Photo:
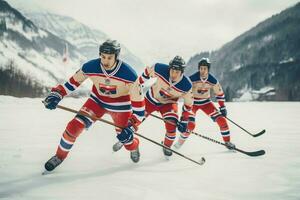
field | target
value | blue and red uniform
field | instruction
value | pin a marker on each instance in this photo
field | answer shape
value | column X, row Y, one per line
column 202, row 101
column 116, row 92
column 163, row 97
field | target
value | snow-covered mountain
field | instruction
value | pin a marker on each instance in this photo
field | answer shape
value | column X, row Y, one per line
column 87, row 40
column 34, row 54
column 35, row 51
column 67, row 28
column 262, row 63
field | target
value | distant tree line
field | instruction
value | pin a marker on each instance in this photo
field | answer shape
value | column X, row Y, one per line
column 284, row 78
column 14, row 82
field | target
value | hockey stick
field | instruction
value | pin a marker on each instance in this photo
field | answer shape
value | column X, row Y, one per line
column 249, row 153
column 253, row 135
column 146, row 138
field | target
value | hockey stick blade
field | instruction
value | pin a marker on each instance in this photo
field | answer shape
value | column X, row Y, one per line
column 252, row 153
column 260, row 133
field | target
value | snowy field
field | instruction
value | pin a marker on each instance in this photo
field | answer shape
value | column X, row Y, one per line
column 29, row 135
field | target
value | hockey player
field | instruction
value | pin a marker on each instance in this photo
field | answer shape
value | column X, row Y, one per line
column 171, row 84
column 116, row 91
column 163, row 96
column 203, row 82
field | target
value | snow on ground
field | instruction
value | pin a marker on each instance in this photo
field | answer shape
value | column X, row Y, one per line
column 29, row 135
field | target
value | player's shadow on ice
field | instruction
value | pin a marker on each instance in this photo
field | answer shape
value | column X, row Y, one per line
column 19, row 186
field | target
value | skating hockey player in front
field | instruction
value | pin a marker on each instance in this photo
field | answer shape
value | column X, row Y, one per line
column 203, row 82
column 116, row 91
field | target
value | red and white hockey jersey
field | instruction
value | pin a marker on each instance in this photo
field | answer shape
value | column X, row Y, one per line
column 117, row 90
column 165, row 91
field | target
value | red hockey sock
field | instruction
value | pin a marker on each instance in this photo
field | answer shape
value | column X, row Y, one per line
column 73, row 130
column 169, row 139
column 133, row 145
column 221, row 121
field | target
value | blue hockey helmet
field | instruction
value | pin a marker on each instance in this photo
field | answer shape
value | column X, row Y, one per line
column 204, row 62
column 177, row 63
column 110, row 47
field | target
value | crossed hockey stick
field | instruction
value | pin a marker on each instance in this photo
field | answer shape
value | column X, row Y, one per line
column 248, row 153
column 202, row 161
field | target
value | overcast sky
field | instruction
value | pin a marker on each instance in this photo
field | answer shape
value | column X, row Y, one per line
column 157, row 30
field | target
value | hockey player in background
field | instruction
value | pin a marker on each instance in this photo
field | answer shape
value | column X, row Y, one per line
column 116, row 91
column 203, row 83
column 171, row 84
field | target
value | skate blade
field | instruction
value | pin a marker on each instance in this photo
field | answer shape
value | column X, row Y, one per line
column 232, row 151
column 46, row 172
column 167, row 158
